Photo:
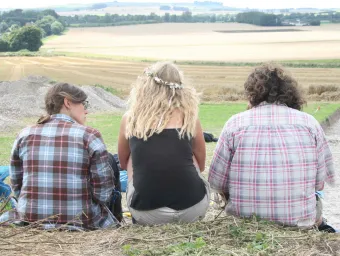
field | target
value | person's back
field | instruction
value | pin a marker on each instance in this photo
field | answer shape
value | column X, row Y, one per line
column 164, row 163
column 271, row 159
column 162, row 147
column 274, row 169
column 60, row 171
column 56, row 178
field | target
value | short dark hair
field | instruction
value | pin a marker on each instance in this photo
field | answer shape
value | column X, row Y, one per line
column 270, row 82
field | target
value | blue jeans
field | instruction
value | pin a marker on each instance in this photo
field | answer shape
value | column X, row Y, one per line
column 4, row 172
column 5, row 190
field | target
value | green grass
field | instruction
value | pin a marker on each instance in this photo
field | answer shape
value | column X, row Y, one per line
column 7, row 207
column 212, row 116
column 102, row 56
column 44, row 52
column 330, row 63
column 26, row 53
column 108, row 125
column 49, row 38
column 109, row 89
column 326, row 109
column 6, row 142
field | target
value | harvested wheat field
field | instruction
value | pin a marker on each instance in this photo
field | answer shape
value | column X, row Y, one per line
column 217, row 83
column 202, row 41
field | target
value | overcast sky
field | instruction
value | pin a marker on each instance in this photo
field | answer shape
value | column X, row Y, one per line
column 262, row 4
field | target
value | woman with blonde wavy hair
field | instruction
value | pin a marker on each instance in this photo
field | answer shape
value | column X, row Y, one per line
column 162, row 147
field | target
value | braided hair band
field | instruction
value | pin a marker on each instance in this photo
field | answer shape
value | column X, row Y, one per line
column 171, row 85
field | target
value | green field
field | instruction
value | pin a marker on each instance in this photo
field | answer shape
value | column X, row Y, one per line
column 212, row 116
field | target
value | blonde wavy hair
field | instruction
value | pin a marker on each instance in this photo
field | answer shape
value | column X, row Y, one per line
column 155, row 96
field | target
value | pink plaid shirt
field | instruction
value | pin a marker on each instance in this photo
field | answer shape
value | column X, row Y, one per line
column 270, row 160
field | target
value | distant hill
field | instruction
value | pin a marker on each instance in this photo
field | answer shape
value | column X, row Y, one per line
column 208, row 6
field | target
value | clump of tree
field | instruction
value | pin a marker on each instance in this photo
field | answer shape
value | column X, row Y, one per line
column 311, row 19
column 21, row 29
column 4, row 45
column 27, row 37
column 3, row 27
column 50, row 25
column 291, row 19
column 315, row 23
column 258, row 18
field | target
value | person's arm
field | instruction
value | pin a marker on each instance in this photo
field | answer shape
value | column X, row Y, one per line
column 123, row 145
column 15, row 169
column 101, row 173
column 220, row 164
column 198, row 147
column 325, row 166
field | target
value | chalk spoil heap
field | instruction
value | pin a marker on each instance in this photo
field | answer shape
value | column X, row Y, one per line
column 25, row 99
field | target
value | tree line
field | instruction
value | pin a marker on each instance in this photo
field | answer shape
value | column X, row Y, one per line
column 117, row 20
column 21, row 29
column 308, row 19
column 253, row 17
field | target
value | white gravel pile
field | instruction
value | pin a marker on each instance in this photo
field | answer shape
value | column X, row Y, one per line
column 331, row 204
column 25, row 99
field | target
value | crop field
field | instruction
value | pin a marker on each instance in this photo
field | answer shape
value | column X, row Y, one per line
column 202, row 41
column 217, row 83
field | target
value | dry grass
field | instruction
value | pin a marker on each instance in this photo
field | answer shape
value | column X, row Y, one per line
column 219, row 235
column 217, row 83
column 200, row 42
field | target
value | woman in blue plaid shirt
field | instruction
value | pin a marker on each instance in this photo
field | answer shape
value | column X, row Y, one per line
column 59, row 168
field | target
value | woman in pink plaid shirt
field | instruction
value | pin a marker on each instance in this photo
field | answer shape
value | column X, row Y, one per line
column 271, row 159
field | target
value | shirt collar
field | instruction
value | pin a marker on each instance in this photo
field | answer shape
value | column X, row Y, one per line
column 63, row 117
column 264, row 103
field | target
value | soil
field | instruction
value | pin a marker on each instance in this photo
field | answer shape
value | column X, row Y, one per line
column 331, row 206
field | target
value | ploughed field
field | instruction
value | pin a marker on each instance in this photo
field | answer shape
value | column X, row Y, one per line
column 204, row 42
column 217, row 83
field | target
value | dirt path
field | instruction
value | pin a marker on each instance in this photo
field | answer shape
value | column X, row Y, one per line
column 17, row 69
column 17, row 72
column 332, row 194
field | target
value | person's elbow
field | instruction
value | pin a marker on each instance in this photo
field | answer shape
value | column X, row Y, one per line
column 103, row 195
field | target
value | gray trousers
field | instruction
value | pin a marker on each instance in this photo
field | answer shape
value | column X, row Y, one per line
column 165, row 215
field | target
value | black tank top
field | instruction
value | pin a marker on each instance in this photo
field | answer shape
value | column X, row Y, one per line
column 164, row 174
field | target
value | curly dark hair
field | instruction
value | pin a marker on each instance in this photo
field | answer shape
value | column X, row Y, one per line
column 271, row 83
